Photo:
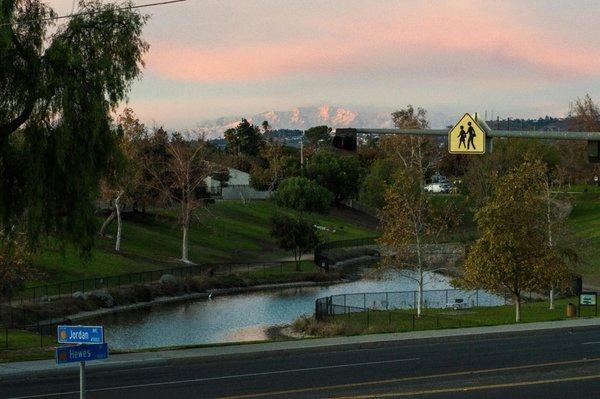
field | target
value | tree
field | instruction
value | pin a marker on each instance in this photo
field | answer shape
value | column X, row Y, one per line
column 375, row 184
column 408, row 151
column 245, row 138
column 484, row 170
column 294, row 234
column 574, row 167
column 126, row 177
column 303, row 195
column 14, row 259
column 318, row 135
column 513, row 252
column 187, row 168
column 340, row 174
column 58, row 87
column 409, row 222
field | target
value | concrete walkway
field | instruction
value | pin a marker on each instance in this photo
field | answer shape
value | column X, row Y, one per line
column 18, row 370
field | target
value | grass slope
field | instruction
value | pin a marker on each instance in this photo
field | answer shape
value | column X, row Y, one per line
column 227, row 231
column 584, row 221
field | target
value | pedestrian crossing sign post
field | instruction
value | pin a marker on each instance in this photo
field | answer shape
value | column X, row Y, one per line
column 466, row 137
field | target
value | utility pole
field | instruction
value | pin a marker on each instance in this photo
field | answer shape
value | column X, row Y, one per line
column 302, row 150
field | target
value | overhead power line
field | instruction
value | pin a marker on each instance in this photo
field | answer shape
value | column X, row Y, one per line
column 95, row 12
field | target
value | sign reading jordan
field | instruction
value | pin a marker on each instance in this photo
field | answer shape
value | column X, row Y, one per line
column 466, row 137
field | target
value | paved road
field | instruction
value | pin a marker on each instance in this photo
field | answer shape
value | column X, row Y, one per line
column 542, row 364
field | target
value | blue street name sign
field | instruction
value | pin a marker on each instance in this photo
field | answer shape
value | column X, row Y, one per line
column 80, row 334
column 81, row 353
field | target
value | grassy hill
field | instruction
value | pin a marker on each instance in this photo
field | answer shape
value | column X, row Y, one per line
column 226, row 231
column 585, row 223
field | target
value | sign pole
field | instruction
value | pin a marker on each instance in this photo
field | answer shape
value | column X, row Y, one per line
column 82, row 380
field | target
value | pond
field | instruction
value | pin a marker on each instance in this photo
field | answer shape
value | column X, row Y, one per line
column 240, row 317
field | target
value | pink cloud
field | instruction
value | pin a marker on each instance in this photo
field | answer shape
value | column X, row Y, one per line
column 397, row 38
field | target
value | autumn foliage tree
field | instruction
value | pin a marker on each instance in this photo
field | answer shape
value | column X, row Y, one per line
column 409, row 222
column 513, row 253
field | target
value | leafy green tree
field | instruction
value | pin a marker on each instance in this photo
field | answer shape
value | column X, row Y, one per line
column 303, row 195
column 295, row 235
column 58, row 87
column 376, row 182
column 14, row 262
column 245, row 138
column 318, row 135
column 340, row 174
column 513, row 252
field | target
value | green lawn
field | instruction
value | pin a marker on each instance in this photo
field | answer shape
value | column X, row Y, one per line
column 227, row 231
column 585, row 223
column 405, row 320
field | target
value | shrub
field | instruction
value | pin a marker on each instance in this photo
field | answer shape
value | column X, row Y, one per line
column 303, row 195
column 311, row 326
column 227, row 281
column 142, row 293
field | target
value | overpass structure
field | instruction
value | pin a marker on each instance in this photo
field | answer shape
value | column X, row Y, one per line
column 345, row 138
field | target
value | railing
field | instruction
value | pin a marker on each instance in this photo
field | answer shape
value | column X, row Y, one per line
column 42, row 292
column 19, row 323
column 322, row 260
column 335, row 305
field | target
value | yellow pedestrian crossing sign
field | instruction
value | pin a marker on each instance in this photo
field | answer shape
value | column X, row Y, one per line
column 466, row 137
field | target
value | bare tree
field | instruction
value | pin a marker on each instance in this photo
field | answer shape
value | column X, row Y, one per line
column 187, row 169
column 411, row 151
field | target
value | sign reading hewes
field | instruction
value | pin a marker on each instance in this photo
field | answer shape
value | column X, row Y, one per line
column 80, row 334
column 83, row 353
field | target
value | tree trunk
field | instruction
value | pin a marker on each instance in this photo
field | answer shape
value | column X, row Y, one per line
column 184, row 245
column 550, row 243
column 297, row 256
column 107, row 223
column 517, row 308
column 119, row 222
column 420, row 294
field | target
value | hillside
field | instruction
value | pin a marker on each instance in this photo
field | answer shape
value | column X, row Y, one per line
column 585, row 223
column 227, row 231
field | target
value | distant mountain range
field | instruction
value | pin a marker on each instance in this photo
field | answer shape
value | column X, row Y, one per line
column 302, row 118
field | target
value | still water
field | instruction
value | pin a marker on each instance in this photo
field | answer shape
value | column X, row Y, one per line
column 231, row 318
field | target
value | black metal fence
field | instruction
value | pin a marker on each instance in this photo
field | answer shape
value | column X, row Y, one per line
column 384, row 310
column 322, row 260
column 19, row 318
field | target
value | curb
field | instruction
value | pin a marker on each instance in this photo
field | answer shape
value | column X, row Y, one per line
column 42, row 369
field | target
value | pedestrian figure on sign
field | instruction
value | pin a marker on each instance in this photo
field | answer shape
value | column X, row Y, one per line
column 471, row 133
column 462, row 135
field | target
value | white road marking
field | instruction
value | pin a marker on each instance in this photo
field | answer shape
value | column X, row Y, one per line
column 224, row 377
column 591, row 343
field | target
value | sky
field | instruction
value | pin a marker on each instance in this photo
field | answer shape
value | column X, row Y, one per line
column 213, row 58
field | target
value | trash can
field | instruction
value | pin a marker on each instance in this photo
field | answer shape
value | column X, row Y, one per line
column 571, row 310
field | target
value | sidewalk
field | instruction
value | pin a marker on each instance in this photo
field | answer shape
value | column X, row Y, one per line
column 166, row 357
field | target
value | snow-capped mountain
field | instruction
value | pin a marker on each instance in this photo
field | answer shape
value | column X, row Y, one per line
column 302, row 118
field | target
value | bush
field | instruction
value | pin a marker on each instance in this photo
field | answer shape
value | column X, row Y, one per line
column 303, row 195
column 227, row 281
column 196, row 284
column 142, row 293
column 310, row 326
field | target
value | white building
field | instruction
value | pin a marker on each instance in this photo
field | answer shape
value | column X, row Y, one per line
column 237, row 188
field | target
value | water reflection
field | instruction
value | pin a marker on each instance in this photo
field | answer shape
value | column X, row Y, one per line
column 232, row 318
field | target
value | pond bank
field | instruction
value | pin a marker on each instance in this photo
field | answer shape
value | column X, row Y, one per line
column 185, row 298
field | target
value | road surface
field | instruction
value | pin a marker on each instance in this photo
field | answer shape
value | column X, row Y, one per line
column 542, row 364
